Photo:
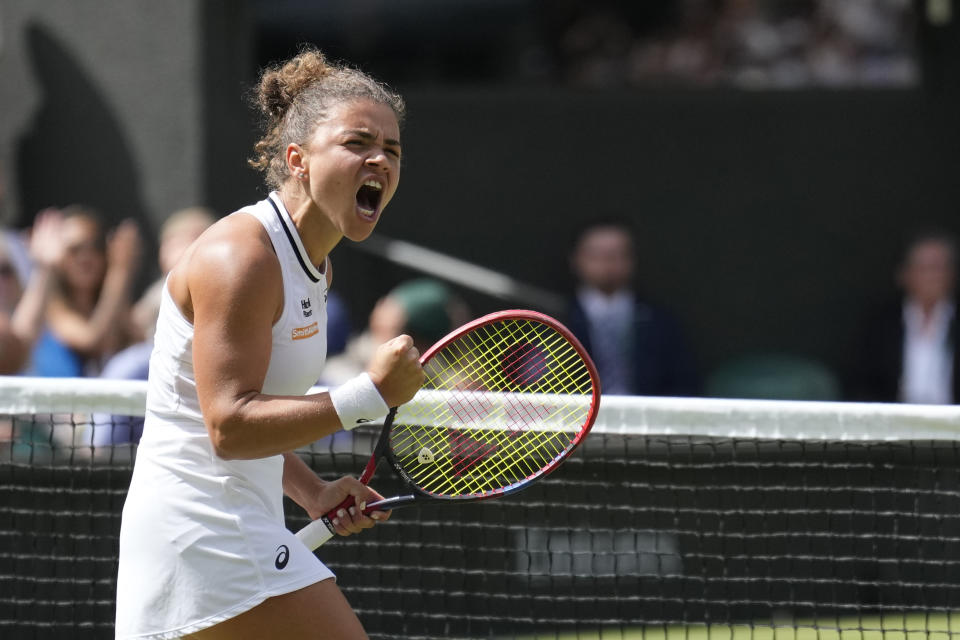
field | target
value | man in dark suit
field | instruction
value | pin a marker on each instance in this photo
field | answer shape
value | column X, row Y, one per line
column 638, row 347
column 908, row 352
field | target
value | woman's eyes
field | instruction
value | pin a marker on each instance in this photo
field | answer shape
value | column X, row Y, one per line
column 363, row 143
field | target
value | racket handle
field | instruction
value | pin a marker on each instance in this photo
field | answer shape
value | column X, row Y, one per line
column 315, row 534
column 320, row 530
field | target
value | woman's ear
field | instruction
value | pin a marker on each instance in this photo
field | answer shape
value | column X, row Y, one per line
column 296, row 161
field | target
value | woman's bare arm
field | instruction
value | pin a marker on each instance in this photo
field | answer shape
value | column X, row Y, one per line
column 230, row 285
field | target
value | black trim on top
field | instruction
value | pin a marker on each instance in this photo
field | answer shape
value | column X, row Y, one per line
column 293, row 243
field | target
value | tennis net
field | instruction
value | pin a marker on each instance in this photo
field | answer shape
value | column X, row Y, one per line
column 692, row 518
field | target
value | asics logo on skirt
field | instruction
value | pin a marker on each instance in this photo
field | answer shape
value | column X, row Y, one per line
column 283, row 555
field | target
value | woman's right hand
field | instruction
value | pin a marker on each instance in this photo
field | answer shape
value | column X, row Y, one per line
column 46, row 239
column 123, row 247
column 395, row 370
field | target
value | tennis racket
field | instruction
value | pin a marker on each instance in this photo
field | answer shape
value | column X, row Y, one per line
column 506, row 399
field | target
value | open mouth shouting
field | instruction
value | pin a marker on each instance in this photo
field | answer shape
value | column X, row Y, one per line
column 369, row 197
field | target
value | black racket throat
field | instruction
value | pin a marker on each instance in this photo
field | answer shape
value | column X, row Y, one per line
column 382, row 447
column 382, row 451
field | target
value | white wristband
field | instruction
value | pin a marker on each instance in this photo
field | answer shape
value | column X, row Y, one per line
column 357, row 401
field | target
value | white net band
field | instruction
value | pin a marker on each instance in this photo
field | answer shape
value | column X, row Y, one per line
column 624, row 415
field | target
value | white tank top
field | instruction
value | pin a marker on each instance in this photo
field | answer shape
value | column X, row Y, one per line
column 174, row 433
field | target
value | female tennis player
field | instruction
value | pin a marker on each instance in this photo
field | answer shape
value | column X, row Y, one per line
column 204, row 552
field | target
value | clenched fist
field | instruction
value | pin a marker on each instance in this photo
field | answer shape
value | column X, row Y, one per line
column 395, row 370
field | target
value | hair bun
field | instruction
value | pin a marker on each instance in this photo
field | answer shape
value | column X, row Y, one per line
column 281, row 85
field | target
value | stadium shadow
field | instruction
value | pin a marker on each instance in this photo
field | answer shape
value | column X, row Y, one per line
column 75, row 151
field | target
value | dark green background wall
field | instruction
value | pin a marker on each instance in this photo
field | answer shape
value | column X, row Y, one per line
column 768, row 220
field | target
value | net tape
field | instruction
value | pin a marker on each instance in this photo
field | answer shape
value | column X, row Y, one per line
column 628, row 415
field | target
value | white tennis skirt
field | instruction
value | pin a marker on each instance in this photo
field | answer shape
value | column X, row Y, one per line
column 203, row 540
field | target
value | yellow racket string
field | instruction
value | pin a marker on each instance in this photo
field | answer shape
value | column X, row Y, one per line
column 500, row 405
column 460, row 354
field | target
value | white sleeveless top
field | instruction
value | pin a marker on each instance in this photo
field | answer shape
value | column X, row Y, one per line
column 201, row 536
column 299, row 335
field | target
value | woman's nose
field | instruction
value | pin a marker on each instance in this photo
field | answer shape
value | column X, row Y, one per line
column 377, row 159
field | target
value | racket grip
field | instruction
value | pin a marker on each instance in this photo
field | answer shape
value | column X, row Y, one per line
column 315, row 534
column 320, row 530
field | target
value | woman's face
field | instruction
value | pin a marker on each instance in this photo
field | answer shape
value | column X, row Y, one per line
column 84, row 260
column 353, row 164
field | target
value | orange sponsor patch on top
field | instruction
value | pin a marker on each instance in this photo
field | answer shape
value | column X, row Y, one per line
column 301, row 333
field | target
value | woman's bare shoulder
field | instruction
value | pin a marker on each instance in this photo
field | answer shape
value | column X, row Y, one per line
column 233, row 256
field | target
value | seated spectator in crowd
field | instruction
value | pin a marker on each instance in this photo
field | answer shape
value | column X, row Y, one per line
column 25, row 288
column 638, row 347
column 908, row 349
column 423, row 308
column 88, row 315
column 177, row 233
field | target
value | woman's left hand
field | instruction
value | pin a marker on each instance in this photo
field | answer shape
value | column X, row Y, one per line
column 351, row 520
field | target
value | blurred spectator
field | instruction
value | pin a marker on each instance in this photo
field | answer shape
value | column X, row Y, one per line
column 25, row 288
column 746, row 43
column 756, row 44
column 88, row 315
column 908, row 352
column 423, row 308
column 637, row 347
column 595, row 47
column 177, row 233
